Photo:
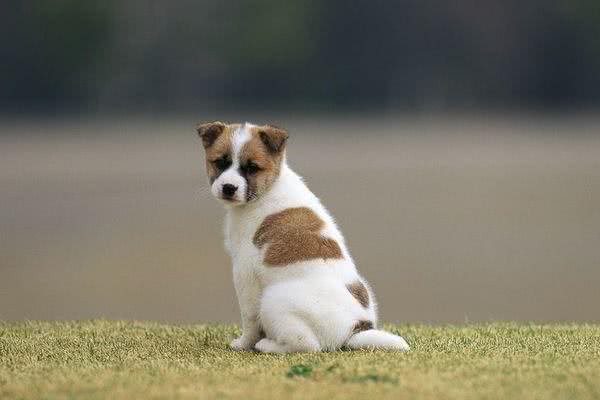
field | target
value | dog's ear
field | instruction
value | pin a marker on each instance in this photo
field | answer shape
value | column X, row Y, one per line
column 210, row 131
column 273, row 138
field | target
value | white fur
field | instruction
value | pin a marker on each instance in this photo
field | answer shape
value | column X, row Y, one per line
column 232, row 175
column 240, row 138
column 301, row 308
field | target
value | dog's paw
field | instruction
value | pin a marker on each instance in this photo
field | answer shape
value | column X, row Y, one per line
column 241, row 344
column 268, row 346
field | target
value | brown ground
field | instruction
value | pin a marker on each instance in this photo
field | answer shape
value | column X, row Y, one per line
column 451, row 220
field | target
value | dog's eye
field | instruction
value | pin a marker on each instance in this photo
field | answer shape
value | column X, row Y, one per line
column 250, row 168
column 222, row 163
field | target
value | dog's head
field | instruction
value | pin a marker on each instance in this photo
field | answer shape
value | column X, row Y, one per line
column 242, row 160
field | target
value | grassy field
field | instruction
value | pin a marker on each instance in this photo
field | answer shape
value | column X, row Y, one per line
column 125, row 360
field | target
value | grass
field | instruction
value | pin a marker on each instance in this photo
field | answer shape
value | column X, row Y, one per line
column 125, row 360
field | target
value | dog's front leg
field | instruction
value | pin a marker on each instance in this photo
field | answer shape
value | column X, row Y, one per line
column 248, row 292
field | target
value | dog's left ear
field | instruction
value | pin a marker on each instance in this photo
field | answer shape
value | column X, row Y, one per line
column 209, row 132
column 273, row 138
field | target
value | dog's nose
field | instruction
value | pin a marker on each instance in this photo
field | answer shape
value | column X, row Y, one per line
column 229, row 190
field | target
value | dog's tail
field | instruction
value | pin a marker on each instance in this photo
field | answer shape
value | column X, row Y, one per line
column 375, row 339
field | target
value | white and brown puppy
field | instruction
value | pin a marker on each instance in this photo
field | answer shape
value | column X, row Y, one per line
column 297, row 285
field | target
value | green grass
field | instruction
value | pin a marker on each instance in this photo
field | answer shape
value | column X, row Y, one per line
column 125, row 360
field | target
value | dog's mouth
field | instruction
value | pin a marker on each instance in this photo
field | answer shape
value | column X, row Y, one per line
column 230, row 200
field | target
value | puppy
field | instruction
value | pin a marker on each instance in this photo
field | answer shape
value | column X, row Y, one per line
column 297, row 285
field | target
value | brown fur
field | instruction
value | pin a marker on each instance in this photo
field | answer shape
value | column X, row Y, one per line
column 210, row 131
column 293, row 235
column 216, row 146
column 262, row 155
column 265, row 149
column 274, row 138
column 360, row 293
column 361, row 326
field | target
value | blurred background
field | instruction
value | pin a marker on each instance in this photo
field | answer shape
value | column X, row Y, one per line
column 457, row 144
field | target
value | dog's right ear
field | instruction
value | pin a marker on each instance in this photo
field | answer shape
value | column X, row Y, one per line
column 209, row 132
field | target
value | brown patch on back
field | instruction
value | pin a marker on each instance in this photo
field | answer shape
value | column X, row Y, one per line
column 360, row 293
column 361, row 326
column 293, row 235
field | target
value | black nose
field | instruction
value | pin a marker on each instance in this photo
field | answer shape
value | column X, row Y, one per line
column 229, row 190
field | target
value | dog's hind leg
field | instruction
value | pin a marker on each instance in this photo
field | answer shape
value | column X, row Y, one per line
column 269, row 346
column 292, row 336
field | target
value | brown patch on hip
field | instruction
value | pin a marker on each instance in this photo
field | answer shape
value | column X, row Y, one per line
column 293, row 235
column 360, row 293
column 361, row 326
